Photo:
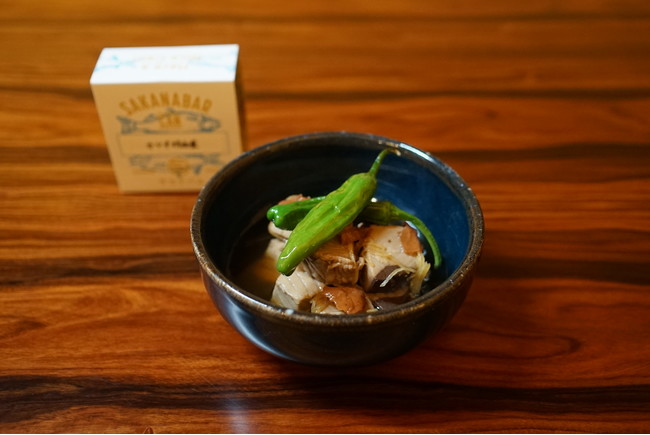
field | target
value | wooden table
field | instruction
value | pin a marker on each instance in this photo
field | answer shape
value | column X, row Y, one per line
column 543, row 107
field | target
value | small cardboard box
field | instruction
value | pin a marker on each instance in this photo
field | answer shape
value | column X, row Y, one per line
column 171, row 116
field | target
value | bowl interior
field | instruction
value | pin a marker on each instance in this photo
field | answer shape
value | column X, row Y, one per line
column 235, row 200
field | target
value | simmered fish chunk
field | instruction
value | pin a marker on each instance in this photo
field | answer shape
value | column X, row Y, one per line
column 340, row 300
column 392, row 260
column 296, row 290
column 334, row 263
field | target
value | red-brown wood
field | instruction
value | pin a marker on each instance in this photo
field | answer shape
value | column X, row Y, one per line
column 542, row 106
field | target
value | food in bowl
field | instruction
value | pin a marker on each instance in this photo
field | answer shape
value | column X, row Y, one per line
column 346, row 252
column 229, row 231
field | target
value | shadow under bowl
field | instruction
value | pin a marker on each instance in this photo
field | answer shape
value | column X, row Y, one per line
column 235, row 200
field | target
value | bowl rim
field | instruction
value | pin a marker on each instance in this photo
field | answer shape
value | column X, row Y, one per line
column 420, row 304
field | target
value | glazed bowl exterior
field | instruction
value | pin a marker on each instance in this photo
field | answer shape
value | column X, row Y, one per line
column 238, row 196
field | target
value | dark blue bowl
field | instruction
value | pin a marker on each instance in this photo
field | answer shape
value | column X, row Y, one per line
column 235, row 200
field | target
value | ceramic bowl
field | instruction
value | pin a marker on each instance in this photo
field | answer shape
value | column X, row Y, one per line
column 235, row 200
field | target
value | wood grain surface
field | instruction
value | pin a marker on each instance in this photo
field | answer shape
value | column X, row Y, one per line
column 542, row 106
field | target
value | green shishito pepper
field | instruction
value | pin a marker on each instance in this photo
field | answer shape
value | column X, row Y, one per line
column 329, row 216
column 287, row 216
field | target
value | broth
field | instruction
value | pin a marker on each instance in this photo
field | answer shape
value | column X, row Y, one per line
column 249, row 267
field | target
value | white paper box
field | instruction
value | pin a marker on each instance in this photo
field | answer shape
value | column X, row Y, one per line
column 172, row 116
